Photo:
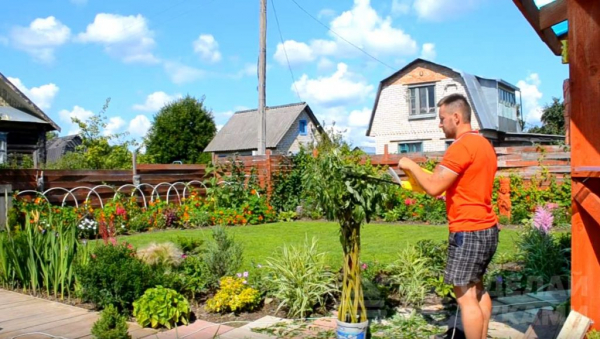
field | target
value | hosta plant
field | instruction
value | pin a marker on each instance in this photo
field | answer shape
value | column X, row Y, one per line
column 161, row 307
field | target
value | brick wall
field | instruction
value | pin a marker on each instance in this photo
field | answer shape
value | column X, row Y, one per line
column 292, row 140
column 391, row 124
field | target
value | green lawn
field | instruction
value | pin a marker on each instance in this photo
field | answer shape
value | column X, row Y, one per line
column 380, row 242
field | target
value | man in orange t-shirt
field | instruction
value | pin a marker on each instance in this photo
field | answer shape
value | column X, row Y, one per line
column 466, row 174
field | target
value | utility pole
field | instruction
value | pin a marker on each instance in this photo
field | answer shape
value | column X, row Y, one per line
column 262, row 75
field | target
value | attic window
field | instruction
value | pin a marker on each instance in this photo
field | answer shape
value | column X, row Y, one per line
column 3, row 147
column 422, row 100
column 507, row 98
column 302, row 127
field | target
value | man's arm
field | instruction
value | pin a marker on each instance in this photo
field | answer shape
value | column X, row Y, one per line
column 435, row 183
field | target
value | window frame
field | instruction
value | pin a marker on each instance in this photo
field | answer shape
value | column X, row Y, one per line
column 303, row 122
column 408, row 144
column 431, row 110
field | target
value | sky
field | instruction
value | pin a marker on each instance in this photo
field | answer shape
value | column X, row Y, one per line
column 69, row 56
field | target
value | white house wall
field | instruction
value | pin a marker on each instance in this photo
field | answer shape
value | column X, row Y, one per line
column 292, row 140
column 391, row 124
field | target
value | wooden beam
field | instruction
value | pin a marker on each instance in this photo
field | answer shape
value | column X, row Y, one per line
column 552, row 14
column 531, row 12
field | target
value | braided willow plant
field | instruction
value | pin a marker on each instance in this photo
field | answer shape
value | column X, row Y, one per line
column 337, row 178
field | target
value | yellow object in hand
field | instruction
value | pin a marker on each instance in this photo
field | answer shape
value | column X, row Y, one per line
column 412, row 184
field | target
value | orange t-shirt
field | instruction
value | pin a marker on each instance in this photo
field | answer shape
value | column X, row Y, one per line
column 469, row 198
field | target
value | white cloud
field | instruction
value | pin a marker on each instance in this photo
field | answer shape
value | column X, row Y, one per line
column 77, row 112
column 155, row 101
column 359, row 118
column 363, row 27
column 400, row 7
column 297, row 53
column 325, row 65
column 428, row 51
column 114, row 125
column 124, row 37
column 40, row 38
column 42, row 96
column 440, row 10
column 181, row 74
column 531, row 95
column 326, row 13
column 139, row 126
column 339, row 89
column 207, row 48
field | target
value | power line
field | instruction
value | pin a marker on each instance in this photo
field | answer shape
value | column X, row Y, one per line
column 284, row 51
column 341, row 37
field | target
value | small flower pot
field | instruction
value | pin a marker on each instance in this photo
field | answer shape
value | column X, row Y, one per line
column 352, row 330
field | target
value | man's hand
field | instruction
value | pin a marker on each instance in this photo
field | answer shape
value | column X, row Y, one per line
column 406, row 164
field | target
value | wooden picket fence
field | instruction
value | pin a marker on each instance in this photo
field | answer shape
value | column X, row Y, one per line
column 526, row 162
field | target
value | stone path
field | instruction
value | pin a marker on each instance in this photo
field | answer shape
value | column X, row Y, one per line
column 28, row 317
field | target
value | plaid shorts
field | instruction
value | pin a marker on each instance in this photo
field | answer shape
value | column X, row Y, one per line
column 469, row 254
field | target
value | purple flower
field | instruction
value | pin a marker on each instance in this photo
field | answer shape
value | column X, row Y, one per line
column 183, row 256
column 364, row 266
column 239, row 275
column 245, row 275
column 551, row 206
column 499, row 279
column 543, row 219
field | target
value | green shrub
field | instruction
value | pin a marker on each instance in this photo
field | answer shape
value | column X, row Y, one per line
column 189, row 245
column 287, row 216
column 161, row 307
column 191, row 277
column 300, row 278
column 114, row 276
column 111, row 325
column 234, row 295
column 407, row 274
column 223, row 256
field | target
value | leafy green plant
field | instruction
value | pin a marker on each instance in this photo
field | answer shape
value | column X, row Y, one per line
column 287, row 216
column 223, row 256
column 406, row 273
column 412, row 327
column 189, row 245
column 161, row 306
column 115, row 276
column 111, row 325
column 339, row 181
column 40, row 256
column 234, row 295
column 191, row 277
column 593, row 334
column 300, row 278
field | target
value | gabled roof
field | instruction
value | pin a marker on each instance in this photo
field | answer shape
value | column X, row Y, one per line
column 241, row 131
column 28, row 104
column 58, row 146
column 473, row 88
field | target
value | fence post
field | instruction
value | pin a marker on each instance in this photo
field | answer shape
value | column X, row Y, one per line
column 135, row 176
column 385, row 154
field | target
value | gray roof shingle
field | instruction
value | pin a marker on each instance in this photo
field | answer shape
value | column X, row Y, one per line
column 241, row 131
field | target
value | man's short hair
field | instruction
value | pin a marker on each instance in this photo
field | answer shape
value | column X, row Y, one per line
column 457, row 102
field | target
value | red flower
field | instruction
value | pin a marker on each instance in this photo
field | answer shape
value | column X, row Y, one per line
column 409, row 202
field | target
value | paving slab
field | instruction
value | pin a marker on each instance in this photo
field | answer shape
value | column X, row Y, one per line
column 552, row 297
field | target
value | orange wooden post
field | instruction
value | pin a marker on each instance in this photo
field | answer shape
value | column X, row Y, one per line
column 268, row 174
column 584, row 68
column 385, row 153
column 566, row 112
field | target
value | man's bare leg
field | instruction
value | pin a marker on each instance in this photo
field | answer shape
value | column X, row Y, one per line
column 470, row 311
column 485, row 304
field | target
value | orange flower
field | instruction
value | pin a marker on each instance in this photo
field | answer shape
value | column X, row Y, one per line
column 253, row 192
column 260, row 217
column 244, row 221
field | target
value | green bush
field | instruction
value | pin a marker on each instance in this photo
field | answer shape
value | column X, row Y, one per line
column 189, row 245
column 191, row 277
column 114, row 276
column 223, row 256
column 300, row 278
column 111, row 325
column 161, row 307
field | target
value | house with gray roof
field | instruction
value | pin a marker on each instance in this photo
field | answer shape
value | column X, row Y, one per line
column 23, row 125
column 405, row 116
column 288, row 127
column 59, row 146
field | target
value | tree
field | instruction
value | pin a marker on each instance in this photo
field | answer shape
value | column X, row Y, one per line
column 98, row 150
column 553, row 119
column 180, row 132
